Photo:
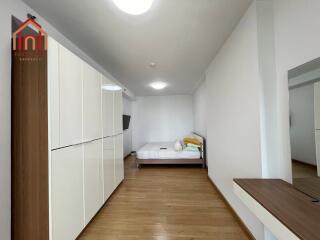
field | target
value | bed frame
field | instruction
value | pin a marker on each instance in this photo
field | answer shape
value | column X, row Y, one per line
column 201, row 160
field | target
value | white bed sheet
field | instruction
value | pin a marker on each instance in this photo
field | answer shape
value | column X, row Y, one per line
column 153, row 151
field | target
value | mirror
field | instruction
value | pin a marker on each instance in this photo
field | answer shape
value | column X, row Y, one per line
column 304, row 95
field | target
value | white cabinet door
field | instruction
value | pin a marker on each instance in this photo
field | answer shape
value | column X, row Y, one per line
column 93, row 186
column 108, row 166
column 107, row 108
column 118, row 111
column 67, row 192
column 70, row 98
column 119, row 168
column 54, row 92
column 317, row 136
column 317, row 105
column 92, row 128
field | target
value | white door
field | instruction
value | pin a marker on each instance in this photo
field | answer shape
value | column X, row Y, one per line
column 92, row 128
column 70, row 97
column 317, row 105
column 317, row 136
column 67, row 192
column 54, row 91
column 93, row 186
column 118, row 111
column 107, row 108
column 108, row 166
column 119, row 166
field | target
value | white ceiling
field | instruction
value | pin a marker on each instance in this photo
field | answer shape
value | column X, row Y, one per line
column 180, row 36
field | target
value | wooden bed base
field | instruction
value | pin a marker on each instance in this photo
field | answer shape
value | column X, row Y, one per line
column 170, row 161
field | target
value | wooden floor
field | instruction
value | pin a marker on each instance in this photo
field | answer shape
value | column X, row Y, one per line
column 302, row 170
column 164, row 203
column 305, row 179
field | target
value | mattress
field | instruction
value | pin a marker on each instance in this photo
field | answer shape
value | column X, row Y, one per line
column 164, row 150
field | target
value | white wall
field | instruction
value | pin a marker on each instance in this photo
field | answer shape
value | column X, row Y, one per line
column 127, row 134
column 296, row 42
column 161, row 119
column 19, row 10
column 233, row 129
column 200, row 109
column 302, row 131
column 231, row 84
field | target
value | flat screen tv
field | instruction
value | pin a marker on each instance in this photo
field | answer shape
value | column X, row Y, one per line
column 126, row 121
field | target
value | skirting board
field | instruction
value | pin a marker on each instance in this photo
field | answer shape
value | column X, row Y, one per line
column 243, row 226
column 304, row 163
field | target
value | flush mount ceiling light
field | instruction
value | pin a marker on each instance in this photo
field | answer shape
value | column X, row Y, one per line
column 134, row 7
column 111, row 87
column 158, row 85
column 152, row 64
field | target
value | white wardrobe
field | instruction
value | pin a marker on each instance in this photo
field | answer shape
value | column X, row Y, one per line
column 67, row 143
column 86, row 141
column 317, row 123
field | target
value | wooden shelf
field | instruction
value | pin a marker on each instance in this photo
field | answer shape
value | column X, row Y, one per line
column 295, row 210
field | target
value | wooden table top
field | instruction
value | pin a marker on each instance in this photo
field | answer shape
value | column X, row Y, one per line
column 291, row 207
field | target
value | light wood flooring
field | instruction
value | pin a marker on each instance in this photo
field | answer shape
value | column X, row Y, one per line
column 305, row 179
column 302, row 170
column 164, row 203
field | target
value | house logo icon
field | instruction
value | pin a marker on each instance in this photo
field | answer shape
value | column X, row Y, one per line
column 23, row 42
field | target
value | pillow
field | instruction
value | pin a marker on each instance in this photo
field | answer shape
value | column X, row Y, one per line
column 191, row 140
column 191, row 149
column 178, row 146
column 193, row 145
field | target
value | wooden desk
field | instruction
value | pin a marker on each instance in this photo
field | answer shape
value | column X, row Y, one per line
column 285, row 211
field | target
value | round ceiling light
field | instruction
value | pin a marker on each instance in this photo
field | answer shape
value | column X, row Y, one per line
column 111, row 87
column 134, row 7
column 158, row 85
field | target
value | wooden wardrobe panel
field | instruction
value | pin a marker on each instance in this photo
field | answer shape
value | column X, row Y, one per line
column 30, row 211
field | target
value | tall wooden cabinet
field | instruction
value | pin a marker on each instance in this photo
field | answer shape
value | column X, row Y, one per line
column 67, row 144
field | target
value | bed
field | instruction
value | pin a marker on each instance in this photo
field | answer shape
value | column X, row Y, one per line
column 164, row 153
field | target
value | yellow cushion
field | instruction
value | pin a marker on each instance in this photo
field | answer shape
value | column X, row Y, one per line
column 191, row 140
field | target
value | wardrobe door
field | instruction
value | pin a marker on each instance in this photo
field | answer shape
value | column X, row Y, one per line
column 317, row 141
column 118, row 111
column 70, row 98
column 108, row 166
column 107, row 108
column 119, row 168
column 317, row 105
column 93, row 186
column 92, row 128
column 67, row 192
column 54, row 92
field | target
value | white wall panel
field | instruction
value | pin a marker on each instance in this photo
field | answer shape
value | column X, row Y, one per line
column 161, row 119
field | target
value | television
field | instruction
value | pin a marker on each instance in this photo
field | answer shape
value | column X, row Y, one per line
column 126, row 121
